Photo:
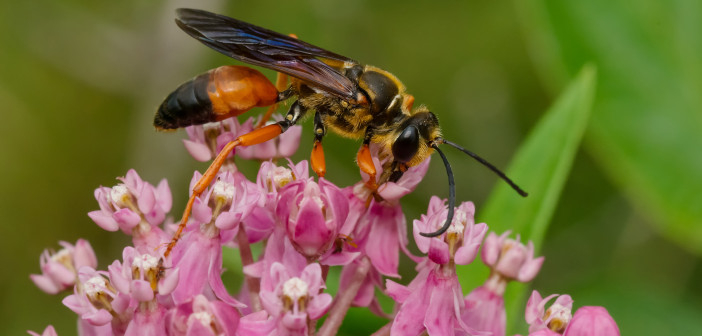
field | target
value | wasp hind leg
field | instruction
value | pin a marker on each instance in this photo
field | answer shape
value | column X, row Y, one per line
column 254, row 137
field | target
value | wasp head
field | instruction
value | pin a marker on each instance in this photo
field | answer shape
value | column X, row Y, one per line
column 414, row 137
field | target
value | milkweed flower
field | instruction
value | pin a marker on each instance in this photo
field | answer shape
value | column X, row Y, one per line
column 135, row 207
column 142, row 276
column 508, row 260
column 294, row 300
column 592, row 321
column 202, row 317
column 217, row 214
column 49, row 331
column 270, row 180
column 379, row 229
column 312, row 214
column 60, row 269
column 558, row 320
column 433, row 301
column 97, row 302
column 555, row 318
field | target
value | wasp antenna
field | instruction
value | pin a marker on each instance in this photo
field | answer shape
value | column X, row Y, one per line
column 489, row 165
column 452, row 196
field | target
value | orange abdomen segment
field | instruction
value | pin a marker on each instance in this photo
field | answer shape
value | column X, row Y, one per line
column 234, row 89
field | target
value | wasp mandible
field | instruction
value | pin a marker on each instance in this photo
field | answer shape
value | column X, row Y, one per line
column 349, row 98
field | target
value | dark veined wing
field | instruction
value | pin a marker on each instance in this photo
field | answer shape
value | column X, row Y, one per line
column 263, row 47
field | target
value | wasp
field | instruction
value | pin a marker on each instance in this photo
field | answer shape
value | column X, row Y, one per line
column 347, row 97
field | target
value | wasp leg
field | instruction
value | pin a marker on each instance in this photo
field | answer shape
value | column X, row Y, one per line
column 317, row 157
column 254, row 137
column 281, row 83
column 365, row 161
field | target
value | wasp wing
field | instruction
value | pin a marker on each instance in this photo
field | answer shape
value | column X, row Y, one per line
column 263, row 47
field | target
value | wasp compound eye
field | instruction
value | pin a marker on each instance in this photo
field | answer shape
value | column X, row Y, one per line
column 406, row 145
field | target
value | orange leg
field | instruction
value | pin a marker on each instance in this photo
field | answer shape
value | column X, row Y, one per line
column 365, row 162
column 281, row 83
column 317, row 159
column 254, row 137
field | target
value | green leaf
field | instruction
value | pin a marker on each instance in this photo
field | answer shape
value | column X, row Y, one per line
column 541, row 167
column 646, row 125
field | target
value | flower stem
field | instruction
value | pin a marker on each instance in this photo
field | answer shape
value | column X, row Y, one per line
column 247, row 259
column 383, row 331
column 344, row 299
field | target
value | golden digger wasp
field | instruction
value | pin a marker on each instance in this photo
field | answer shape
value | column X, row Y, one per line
column 347, row 97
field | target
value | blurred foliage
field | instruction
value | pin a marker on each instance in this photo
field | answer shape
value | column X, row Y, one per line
column 80, row 80
column 544, row 160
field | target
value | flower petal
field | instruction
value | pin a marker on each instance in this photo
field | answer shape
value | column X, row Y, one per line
column 199, row 151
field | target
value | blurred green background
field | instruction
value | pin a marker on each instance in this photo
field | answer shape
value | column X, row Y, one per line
column 80, row 81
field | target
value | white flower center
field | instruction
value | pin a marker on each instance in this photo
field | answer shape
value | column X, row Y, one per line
column 203, row 317
column 458, row 224
column 560, row 316
column 95, row 286
column 295, row 288
column 281, row 176
column 212, row 126
column 223, row 192
column 120, row 195
column 62, row 256
column 145, row 262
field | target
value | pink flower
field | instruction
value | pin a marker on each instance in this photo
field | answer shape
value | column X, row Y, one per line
column 270, row 179
column 508, row 260
column 312, row 214
column 365, row 297
column 294, row 300
column 380, row 231
column 592, row 321
column 96, row 300
column 139, row 275
column 149, row 319
column 136, row 207
column 60, row 269
column 278, row 250
column 200, row 259
column 49, row 331
column 202, row 317
column 485, row 310
column 460, row 243
column 283, row 146
column 206, row 141
column 431, row 303
column 555, row 318
column 511, row 259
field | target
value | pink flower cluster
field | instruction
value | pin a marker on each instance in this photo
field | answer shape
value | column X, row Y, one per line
column 306, row 229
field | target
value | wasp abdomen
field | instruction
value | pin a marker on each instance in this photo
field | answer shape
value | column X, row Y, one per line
column 218, row 94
